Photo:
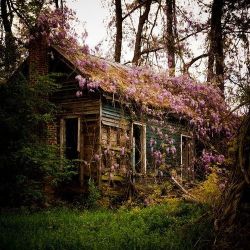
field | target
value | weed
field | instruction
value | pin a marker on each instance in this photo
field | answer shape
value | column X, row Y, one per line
column 168, row 226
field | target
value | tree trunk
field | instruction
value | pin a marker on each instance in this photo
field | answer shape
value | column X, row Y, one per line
column 10, row 52
column 170, row 5
column 215, row 71
column 57, row 5
column 118, row 38
column 143, row 18
column 233, row 218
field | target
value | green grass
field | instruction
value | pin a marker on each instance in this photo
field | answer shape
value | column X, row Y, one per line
column 170, row 226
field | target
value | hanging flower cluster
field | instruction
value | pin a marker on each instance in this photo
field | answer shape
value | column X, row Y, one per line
column 55, row 27
column 209, row 159
column 88, row 84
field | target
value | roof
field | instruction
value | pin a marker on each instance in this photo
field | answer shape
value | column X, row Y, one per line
column 199, row 102
column 141, row 84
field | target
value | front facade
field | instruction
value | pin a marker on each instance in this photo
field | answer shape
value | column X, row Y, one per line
column 110, row 144
column 111, row 139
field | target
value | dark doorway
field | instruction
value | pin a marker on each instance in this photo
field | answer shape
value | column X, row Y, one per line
column 137, row 147
column 71, row 138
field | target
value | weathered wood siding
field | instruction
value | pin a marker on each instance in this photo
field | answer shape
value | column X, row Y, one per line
column 106, row 133
column 115, row 141
column 116, row 123
column 87, row 109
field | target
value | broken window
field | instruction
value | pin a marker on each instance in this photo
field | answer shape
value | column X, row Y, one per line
column 139, row 147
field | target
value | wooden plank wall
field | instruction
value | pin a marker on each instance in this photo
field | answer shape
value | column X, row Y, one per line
column 115, row 141
column 87, row 108
column 105, row 129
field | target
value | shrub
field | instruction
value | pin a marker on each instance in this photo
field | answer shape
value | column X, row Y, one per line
column 208, row 192
column 93, row 194
column 25, row 158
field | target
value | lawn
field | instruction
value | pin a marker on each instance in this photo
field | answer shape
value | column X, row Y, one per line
column 174, row 225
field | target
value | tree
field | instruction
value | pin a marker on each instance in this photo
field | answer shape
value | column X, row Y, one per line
column 120, row 17
column 26, row 13
column 59, row 3
column 168, row 32
column 156, row 39
column 215, row 54
column 170, row 39
column 26, row 160
column 9, row 46
column 232, row 218
column 142, row 20
column 118, row 40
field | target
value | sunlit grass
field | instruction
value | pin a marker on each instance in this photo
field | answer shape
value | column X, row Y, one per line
column 174, row 225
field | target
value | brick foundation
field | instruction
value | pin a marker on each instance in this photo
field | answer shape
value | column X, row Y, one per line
column 52, row 133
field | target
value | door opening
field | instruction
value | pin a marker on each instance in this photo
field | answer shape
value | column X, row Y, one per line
column 187, row 157
column 139, row 148
column 71, row 138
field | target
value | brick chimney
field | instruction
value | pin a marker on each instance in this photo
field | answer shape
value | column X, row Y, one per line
column 39, row 66
column 38, row 58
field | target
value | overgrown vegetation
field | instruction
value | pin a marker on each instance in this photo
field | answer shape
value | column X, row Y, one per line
column 209, row 191
column 26, row 160
column 89, row 200
column 233, row 215
column 174, row 225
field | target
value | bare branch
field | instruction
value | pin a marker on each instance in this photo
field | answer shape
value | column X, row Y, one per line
column 132, row 10
column 188, row 65
column 192, row 34
column 149, row 50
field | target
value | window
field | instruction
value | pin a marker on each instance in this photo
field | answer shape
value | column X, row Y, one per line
column 139, row 147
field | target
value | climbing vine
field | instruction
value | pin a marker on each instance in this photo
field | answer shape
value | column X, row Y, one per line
column 144, row 91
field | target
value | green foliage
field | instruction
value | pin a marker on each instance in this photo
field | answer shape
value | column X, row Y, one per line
column 89, row 200
column 171, row 226
column 45, row 158
column 25, row 158
column 208, row 192
column 93, row 194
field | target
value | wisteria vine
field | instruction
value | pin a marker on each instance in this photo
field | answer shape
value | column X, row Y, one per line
column 157, row 94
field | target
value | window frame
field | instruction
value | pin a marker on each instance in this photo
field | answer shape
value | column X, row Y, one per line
column 63, row 133
column 143, row 145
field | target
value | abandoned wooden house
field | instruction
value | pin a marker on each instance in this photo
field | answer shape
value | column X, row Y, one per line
column 109, row 135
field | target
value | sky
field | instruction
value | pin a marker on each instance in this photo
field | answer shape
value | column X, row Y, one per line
column 92, row 14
